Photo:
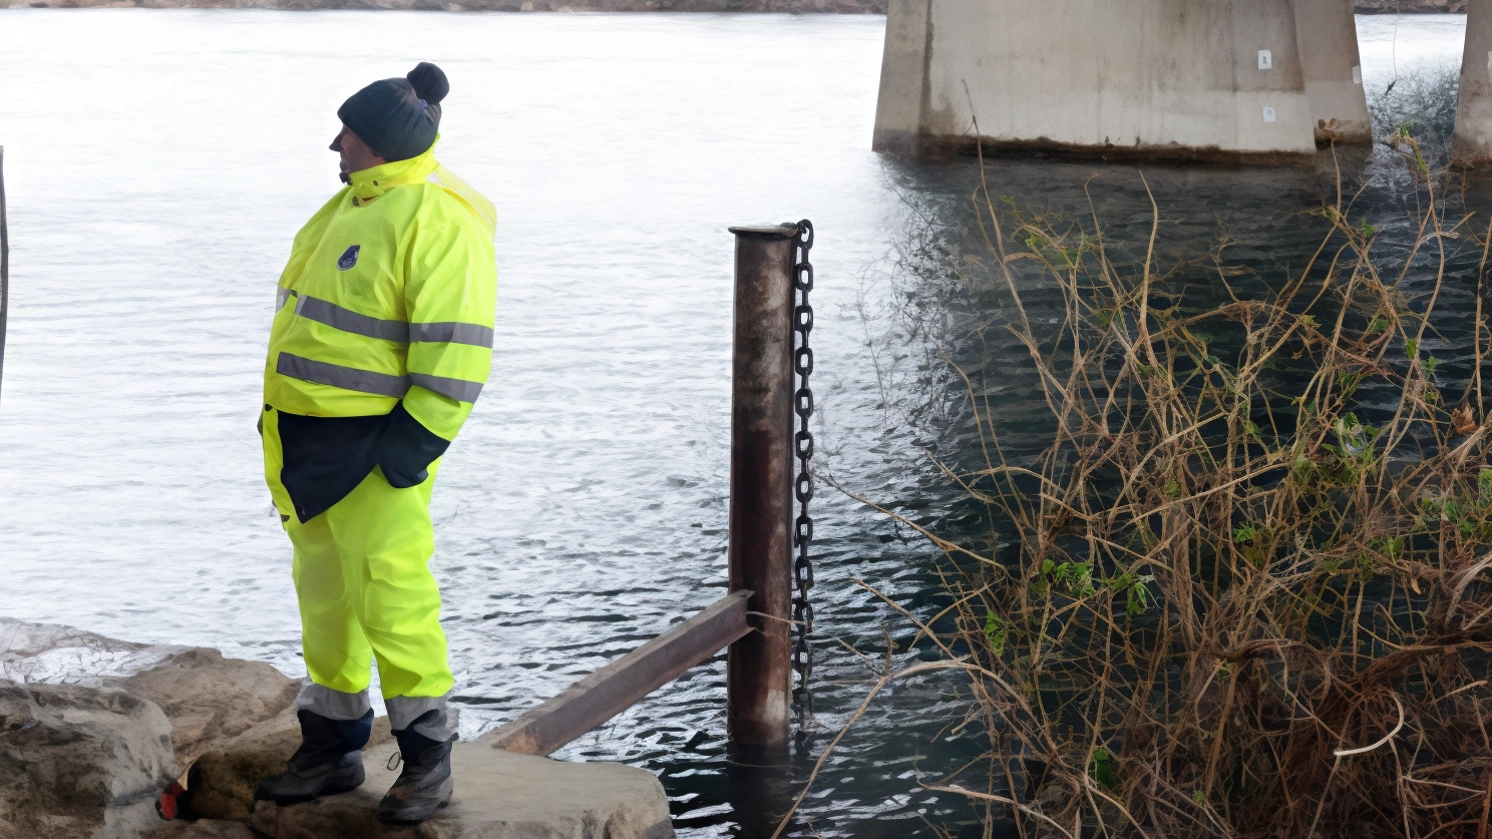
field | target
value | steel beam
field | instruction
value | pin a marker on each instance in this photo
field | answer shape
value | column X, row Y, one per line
column 616, row 687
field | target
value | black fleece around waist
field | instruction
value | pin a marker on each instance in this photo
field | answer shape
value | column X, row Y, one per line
column 325, row 458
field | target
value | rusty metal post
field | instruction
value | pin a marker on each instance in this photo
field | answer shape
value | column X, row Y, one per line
column 759, row 668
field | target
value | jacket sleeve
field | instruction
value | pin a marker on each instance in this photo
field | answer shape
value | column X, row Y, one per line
column 451, row 298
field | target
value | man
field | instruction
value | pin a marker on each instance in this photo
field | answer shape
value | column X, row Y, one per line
column 380, row 345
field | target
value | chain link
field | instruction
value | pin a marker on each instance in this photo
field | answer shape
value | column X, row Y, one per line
column 803, row 485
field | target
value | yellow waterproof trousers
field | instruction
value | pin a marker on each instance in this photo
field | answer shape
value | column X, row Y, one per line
column 363, row 581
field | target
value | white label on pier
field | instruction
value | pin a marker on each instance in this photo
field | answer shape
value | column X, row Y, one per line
column 1268, row 114
column 1356, row 75
column 1266, row 60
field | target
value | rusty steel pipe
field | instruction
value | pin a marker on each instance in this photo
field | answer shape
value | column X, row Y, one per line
column 759, row 666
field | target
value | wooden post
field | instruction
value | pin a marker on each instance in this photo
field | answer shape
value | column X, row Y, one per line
column 759, row 669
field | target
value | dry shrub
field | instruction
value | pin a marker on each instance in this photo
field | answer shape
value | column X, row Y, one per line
column 1228, row 605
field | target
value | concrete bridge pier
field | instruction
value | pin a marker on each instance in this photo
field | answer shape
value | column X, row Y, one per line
column 1326, row 38
column 1263, row 81
column 1472, row 141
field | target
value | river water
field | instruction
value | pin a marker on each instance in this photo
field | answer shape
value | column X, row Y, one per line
column 157, row 165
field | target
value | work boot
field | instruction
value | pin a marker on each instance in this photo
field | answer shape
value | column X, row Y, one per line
column 425, row 784
column 329, row 760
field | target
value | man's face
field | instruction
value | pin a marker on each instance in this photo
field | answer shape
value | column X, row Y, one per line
column 356, row 156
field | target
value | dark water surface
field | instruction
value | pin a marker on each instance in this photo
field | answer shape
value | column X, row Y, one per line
column 159, row 162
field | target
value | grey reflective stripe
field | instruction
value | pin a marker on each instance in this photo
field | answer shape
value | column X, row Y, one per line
column 451, row 332
column 281, row 295
column 347, row 320
column 333, row 704
column 458, row 389
column 411, row 712
column 347, row 378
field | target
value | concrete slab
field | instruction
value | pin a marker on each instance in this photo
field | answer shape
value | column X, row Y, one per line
column 499, row 795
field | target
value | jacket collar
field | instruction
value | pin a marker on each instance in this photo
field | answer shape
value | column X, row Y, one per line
column 369, row 184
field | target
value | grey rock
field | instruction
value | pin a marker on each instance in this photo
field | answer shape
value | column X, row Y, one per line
column 87, row 759
column 203, row 829
column 210, row 699
column 499, row 795
column 220, row 784
column 79, row 761
column 78, row 769
column 52, row 653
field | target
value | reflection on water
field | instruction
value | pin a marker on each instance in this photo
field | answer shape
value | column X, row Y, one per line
column 583, row 508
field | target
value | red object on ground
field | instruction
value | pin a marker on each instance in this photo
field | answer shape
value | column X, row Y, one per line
column 166, row 805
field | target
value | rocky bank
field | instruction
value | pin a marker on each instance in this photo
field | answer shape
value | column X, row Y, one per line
column 93, row 730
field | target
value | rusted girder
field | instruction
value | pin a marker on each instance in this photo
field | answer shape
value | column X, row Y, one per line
column 616, row 687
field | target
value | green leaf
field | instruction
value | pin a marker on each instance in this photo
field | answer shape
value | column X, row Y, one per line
column 1137, row 598
column 1303, row 466
column 994, row 630
column 1102, row 769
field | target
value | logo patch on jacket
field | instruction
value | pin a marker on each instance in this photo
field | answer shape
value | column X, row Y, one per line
column 348, row 258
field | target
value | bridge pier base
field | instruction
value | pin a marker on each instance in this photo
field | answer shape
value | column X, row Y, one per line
column 1262, row 81
column 905, row 60
column 1472, row 142
column 1326, row 38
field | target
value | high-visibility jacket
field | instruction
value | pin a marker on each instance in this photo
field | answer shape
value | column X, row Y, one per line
column 389, row 294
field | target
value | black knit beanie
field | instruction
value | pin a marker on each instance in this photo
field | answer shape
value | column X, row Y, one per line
column 398, row 118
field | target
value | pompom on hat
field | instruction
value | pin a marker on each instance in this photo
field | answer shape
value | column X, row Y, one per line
column 398, row 118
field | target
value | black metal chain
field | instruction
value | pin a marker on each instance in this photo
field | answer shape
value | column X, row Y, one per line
column 803, row 485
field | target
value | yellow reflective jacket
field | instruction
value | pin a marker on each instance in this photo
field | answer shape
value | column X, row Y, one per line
column 390, row 294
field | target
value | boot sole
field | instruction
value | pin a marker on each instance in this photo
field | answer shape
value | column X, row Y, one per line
column 448, row 790
column 302, row 799
column 334, row 789
column 395, row 820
